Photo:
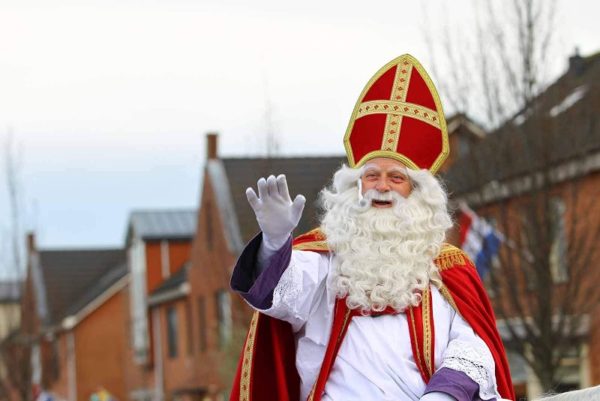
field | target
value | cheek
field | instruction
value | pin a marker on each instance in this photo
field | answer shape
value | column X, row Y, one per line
column 404, row 190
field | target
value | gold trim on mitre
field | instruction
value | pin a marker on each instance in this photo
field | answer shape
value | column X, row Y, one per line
column 439, row 122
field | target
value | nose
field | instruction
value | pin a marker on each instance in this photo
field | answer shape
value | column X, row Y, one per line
column 382, row 186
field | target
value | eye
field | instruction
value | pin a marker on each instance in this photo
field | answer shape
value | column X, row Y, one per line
column 398, row 178
column 370, row 176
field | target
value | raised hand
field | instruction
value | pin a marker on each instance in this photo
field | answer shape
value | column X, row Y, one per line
column 275, row 212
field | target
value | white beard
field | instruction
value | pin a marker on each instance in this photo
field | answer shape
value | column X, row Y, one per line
column 384, row 257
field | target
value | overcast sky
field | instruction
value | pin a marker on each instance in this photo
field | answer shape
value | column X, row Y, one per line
column 109, row 101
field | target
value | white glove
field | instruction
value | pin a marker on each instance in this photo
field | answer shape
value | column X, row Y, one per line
column 275, row 212
column 437, row 396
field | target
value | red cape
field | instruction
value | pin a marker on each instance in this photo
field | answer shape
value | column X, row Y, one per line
column 267, row 369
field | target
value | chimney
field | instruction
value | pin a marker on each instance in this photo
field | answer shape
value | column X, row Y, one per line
column 212, row 140
column 576, row 63
column 30, row 242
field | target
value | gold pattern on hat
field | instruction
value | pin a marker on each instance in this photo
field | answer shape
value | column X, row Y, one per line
column 412, row 110
column 391, row 133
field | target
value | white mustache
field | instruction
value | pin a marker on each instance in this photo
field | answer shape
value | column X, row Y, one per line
column 373, row 195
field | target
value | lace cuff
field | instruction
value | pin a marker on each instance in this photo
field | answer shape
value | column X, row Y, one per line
column 476, row 361
column 288, row 289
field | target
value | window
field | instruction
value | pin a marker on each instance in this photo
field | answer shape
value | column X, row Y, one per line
column 569, row 372
column 223, row 317
column 164, row 259
column 202, row 324
column 172, row 331
column 558, row 247
column 464, row 147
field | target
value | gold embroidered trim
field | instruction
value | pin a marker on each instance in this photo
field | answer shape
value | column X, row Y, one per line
column 247, row 359
column 317, row 233
column 393, row 121
column 391, row 132
column 312, row 246
column 450, row 259
column 447, row 296
column 389, row 154
column 393, row 107
column 311, row 396
column 427, row 330
column 400, row 89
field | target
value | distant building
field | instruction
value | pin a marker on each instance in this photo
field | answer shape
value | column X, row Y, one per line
column 158, row 245
column 537, row 179
column 86, row 310
column 70, row 303
column 10, row 320
column 10, row 297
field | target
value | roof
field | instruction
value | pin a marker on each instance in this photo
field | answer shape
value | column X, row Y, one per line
column 560, row 126
column 172, row 288
column 103, row 283
column 463, row 125
column 163, row 224
column 70, row 277
column 305, row 175
column 174, row 281
column 10, row 291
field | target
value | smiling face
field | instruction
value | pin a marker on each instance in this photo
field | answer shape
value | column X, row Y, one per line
column 385, row 175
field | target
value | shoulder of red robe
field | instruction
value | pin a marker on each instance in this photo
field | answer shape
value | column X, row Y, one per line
column 314, row 240
column 451, row 257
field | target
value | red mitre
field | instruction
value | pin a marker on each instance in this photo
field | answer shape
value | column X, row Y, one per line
column 399, row 115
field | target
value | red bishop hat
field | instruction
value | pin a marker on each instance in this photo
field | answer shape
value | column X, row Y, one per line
column 399, row 115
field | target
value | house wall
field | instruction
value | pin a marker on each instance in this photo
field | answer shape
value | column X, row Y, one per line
column 583, row 207
column 179, row 371
column 212, row 263
column 179, row 253
column 99, row 344
column 60, row 386
column 138, row 379
column 594, row 348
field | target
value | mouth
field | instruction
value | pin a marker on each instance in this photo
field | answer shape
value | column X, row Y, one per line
column 381, row 203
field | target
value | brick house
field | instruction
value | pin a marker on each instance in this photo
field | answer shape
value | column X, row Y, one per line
column 536, row 179
column 158, row 246
column 72, row 339
column 10, row 319
column 80, row 312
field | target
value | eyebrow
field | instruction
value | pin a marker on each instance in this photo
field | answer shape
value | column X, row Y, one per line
column 395, row 169
column 371, row 167
column 400, row 170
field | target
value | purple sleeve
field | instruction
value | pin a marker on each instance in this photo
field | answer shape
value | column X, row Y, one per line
column 258, row 290
column 454, row 383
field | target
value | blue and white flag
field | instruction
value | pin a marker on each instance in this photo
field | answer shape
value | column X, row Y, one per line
column 478, row 239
